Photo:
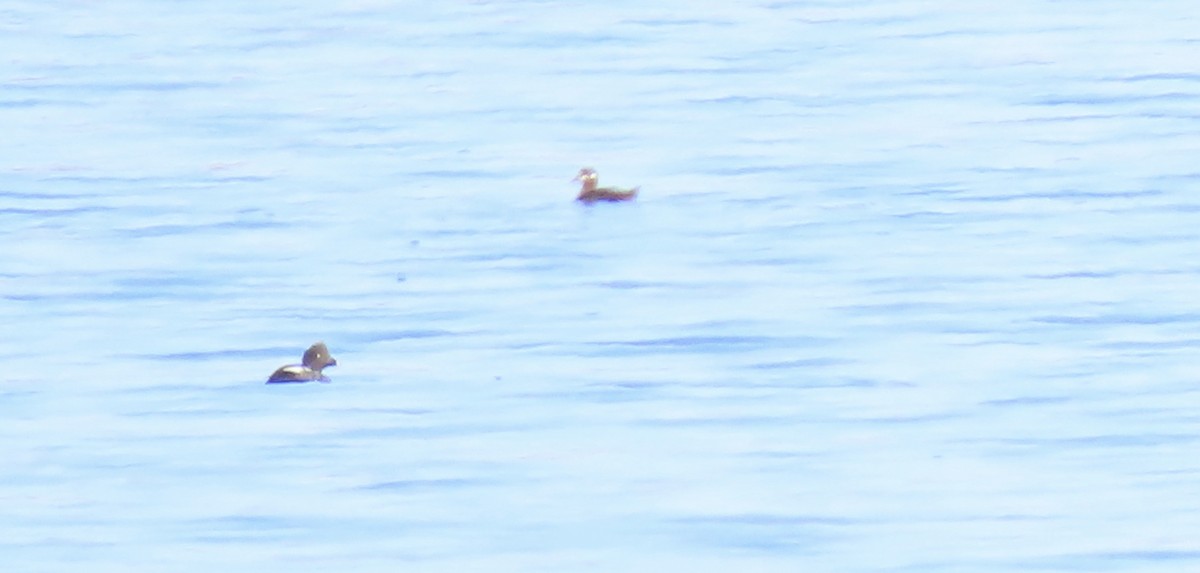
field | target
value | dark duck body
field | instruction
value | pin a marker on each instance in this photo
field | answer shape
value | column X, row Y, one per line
column 590, row 193
column 316, row 358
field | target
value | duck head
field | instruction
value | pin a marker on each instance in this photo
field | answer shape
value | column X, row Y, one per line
column 317, row 357
column 588, row 177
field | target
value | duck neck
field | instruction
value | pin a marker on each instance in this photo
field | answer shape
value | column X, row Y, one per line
column 589, row 183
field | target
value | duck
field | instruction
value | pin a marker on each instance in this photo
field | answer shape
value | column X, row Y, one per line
column 316, row 358
column 589, row 193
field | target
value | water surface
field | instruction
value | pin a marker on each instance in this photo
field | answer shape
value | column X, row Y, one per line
column 909, row 286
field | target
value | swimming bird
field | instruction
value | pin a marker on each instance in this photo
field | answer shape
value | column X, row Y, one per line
column 589, row 193
column 316, row 358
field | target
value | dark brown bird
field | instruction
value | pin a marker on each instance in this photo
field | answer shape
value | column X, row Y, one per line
column 316, row 358
column 589, row 193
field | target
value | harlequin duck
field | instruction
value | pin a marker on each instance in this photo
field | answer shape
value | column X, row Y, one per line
column 590, row 193
column 315, row 359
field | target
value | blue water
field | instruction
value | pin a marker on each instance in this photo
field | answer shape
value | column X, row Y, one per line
column 910, row 286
